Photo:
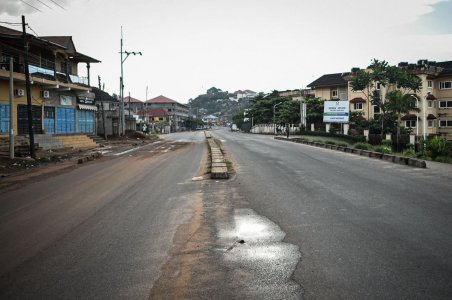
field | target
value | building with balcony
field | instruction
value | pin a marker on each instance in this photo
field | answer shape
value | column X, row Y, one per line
column 434, row 99
column 62, row 101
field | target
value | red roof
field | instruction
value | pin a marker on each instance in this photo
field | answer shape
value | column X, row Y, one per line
column 132, row 100
column 154, row 112
column 161, row 99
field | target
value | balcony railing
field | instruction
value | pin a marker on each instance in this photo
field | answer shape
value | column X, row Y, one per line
column 35, row 70
column 78, row 79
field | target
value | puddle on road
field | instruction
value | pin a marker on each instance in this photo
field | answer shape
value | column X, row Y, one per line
column 262, row 264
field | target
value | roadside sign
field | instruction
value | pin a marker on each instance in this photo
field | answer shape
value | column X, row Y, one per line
column 336, row 112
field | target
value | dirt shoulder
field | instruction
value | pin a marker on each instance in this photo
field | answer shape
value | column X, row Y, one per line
column 16, row 172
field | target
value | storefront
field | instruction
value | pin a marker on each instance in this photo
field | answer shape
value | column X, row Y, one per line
column 86, row 111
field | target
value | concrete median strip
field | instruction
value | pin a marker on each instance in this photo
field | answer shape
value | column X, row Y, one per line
column 219, row 169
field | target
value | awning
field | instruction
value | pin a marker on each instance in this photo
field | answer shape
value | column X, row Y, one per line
column 358, row 100
column 409, row 117
column 87, row 107
column 431, row 97
column 431, row 117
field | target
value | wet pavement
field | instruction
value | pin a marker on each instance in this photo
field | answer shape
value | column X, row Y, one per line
column 254, row 243
column 228, row 251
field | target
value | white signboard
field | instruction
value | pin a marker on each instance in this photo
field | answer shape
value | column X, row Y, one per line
column 336, row 112
column 66, row 100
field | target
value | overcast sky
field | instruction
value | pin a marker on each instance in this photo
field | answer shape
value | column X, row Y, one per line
column 189, row 46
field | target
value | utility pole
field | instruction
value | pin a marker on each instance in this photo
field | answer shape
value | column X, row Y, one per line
column 11, row 109
column 129, row 103
column 146, row 106
column 28, row 88
column 121, row 90
column 103, row 112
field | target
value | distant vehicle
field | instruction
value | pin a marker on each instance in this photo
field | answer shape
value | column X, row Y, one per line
column 234, row 127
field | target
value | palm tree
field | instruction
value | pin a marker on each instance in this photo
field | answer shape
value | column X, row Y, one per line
column 399, row 103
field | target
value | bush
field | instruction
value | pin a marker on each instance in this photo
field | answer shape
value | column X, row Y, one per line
column 409, row 153
column 342, row 144
column 387, row 143
column 382, row 149
column 330, row 142
column 362, row 146
column 348, row 138
column 437, row 147
column 410, row 146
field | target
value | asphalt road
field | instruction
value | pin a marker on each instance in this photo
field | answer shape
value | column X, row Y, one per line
column 366, row 229
column 293, row 222
column 101, row 231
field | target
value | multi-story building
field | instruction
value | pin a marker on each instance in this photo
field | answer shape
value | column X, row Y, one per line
column 62, row 101
column 133, row 105
column 177, row 113
column 434, row 99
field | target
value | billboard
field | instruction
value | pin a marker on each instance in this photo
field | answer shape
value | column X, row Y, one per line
column 336, row 112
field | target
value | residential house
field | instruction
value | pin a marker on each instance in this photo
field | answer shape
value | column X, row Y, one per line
column 210, row 119
column 178, row 113
column 62, row 102
column 244, row 94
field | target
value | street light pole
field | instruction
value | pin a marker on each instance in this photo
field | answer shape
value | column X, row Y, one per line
column 274, row 125
column 121, row 89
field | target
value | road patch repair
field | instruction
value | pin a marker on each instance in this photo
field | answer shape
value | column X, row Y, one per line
column 219, row 168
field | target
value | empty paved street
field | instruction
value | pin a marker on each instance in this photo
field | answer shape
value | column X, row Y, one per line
column 293, row 222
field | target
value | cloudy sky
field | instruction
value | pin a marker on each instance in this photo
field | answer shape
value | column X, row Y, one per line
column 189, row 46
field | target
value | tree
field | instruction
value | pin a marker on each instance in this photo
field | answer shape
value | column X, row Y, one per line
column 289, row 112
column 379, row 80
column 399, row 103
column 238, row 119
column 314, row 110
column 261, row 108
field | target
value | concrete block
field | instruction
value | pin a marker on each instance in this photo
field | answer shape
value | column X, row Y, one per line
column 416, row 163
column 388, row 157
column 219, row 173
column 219, row 165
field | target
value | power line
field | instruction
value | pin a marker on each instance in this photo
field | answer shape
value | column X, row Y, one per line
column 44, row 4
column 57, row 4
column 31, row 5
column 32, row 30
column 11, row 23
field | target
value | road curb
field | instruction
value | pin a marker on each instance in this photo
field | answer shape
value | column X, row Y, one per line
column 401, row 160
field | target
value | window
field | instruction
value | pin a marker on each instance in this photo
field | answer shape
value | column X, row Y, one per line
column 445, row 104
column 445, row 85
column 430, row 103
column 410, row 123
column 376, row 109
column 445, row 123
column 358, row 106
column 333, row 93
column 378, row 86
column 431, row 123
column 430, row 84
